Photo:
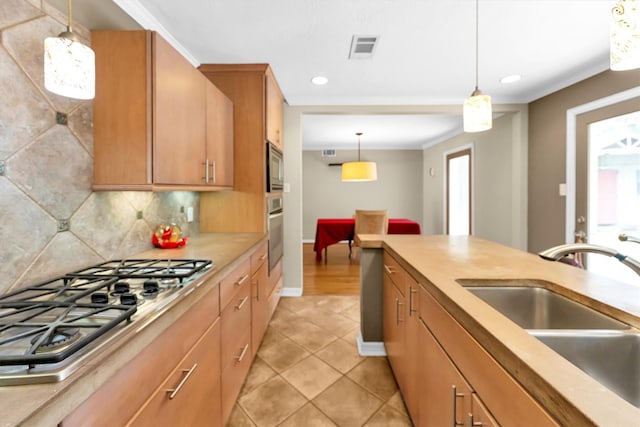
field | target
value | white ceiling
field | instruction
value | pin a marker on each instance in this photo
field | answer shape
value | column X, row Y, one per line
column 425, row 55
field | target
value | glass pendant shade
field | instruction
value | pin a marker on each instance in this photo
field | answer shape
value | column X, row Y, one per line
column 359, row 171
column 69, row 67
column 477, row 114
column 625, row 36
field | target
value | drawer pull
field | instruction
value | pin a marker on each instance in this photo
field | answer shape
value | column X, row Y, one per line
column 412, row 291
column 242, row 279
column 174, row 391
column 389, row 269
column 242, row 302
column 244, row 351
column 455, row 396
column 474, row 423
column 264, row 256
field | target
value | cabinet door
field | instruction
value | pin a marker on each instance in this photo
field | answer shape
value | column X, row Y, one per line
column 445, row 398
column 219, row 137
column 413, row 362
column 259, row 305
column 191, row 394
column 178, row 117
column 393, row 318
column 273, row 111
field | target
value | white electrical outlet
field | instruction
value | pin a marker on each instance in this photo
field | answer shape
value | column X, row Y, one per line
column 286, row 187
column 190, row 214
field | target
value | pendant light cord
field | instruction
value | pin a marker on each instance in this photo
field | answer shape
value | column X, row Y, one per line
column 476, row 45
column 359, row 134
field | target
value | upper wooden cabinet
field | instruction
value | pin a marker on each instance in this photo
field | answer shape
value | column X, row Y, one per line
column 257, row 114
column 219, row 137
column 274, row 102
column 152, row 116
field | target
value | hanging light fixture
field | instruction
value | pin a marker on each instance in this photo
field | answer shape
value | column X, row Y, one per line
column 477, row 114
column 625, row 36
column 359, row 171
column 69, row 66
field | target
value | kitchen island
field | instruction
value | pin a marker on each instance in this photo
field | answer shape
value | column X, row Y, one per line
column 434, row 265
column 50, row 404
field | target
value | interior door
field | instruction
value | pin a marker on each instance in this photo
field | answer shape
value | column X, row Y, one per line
column 608, row 184
column 459, row 197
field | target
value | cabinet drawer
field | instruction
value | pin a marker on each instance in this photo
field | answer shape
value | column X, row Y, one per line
column 394, row 271
column 234, row 281
column 485, row 374
column 236, row 321
column 191, row 393
column 259, row 257
column 234, row 374
column 113, row 403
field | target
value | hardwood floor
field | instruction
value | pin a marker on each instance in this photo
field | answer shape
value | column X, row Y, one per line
column 340, row 275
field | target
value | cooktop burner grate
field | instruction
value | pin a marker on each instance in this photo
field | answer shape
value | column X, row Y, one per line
column 146, row 268
column 64, row 288
column 49, row 331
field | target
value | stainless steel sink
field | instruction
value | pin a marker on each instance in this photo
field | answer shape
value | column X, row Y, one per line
column 610, row 357
column 534, row 307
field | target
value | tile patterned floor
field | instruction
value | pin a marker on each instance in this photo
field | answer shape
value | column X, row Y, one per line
column 308, row 372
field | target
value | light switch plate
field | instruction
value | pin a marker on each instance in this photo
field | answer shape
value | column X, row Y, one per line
column 562, row 189
column 190, row 214
column 286, row 187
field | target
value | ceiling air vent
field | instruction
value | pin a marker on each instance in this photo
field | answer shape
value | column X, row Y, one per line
column 362, row 47
column 328, row 153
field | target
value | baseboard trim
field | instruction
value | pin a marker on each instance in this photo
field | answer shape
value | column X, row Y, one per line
column 370, row 348
column 291, row 292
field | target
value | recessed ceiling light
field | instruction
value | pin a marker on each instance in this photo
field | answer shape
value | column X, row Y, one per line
column 511, row 79
column 319, row 80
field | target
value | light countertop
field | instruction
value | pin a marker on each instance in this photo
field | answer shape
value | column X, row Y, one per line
column 47, row 404
column 568, row 393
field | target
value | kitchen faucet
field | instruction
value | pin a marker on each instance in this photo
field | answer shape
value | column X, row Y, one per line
column 558, row 252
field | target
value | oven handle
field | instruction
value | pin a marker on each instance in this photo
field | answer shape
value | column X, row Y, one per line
column 276, row 215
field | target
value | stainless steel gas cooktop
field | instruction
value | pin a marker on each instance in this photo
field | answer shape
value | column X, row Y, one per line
column 50, row 329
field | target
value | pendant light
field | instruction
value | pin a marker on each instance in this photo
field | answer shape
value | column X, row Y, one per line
column 69, row 66
column 625, row 36
column 359, row 171
column 477, row 114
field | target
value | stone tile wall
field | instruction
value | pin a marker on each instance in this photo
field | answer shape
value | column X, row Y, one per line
column 46, row 168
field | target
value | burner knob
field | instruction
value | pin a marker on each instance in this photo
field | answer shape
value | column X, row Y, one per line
column 121, row 287
column 99, row 298
column 128, row 299
column 151, row 287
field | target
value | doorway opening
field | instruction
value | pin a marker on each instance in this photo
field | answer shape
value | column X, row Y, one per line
column 459, row 193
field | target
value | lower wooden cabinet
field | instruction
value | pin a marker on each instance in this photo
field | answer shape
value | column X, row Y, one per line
column 191, row 394
column 393, row 320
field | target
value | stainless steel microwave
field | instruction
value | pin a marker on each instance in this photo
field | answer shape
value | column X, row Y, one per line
column 275, row 169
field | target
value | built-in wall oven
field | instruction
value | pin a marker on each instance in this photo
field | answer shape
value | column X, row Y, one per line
column 276, row 229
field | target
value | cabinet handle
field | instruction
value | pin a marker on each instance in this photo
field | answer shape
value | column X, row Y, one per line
column 455, row 395
column 474, row 423
column 412, row 291
column 389, row 269
column 398, row 319
column 213, row 171
column 244, row 300
column 244, row 351
column 264, row 256
column 206, row 171
column 174, row 391
column 257, row 282
column 242, row 279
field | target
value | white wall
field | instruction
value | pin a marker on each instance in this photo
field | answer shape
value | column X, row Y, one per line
column 398, row 188
column 493, row 174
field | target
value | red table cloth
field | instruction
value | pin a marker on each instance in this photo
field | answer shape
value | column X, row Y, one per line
column 334, row 230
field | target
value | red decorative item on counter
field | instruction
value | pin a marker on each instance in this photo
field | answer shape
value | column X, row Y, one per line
column 168, row 237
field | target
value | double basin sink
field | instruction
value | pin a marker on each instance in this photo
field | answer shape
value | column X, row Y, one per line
column 606, row 349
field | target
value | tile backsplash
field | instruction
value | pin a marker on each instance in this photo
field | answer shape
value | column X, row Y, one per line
column 46, row 168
